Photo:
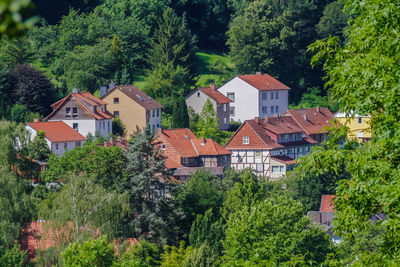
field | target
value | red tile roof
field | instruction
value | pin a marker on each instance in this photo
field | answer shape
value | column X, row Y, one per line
column 263, row 82
column 83, row 99
column 57, row 131
column 261, row 134
column 327, row 203
column 312, row 120
column 213, row 94
column 284, row 159
column 182, row 143
column 137, row 95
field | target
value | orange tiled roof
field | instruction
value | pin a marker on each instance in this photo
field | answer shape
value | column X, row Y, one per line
column 327, row 203
column 57, row 131
column 214, row 94
column 312, row 120
column 81, row 98
column 263, row 82
column 284, row 159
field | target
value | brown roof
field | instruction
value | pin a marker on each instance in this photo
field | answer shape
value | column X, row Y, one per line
column 327, row 203
column 84, row 98
column 138, row 96
column 57, row 131
column 263, row 82
column 213, row 94
column 186, row 145
column 312, row 120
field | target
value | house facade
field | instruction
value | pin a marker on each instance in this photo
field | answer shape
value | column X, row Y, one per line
column 133, row 107
column 59, row 136
column 268, row 146
column 258, row 95
column 198, row 97
column 186, row 153
column 359, row 126
column 83, row 112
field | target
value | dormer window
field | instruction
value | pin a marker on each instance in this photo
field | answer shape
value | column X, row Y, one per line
column 74, row 112
column 68, row 112
column 246, row 140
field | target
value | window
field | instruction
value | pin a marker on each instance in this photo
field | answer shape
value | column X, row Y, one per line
column 232, row 111
column 272, row 109
column 246, row 140
column 154, row 127
column 158, row 113
column 65, row 145
column 56, row 146
column 277, row 169
column 264, row 110
column 231, row 96
column 198, row 94
column 276, row 95
column 163, row 147
column 68, row 112
column 154, row 113
column 74, row 112
column 359, row 120
column 158, row 126
column 78, row 143
column 225, row 120
column 116, row 113
column 260, row 167
column 75, row 126
column 272, row 95
column 264, row 96
column 116, row 100
column 104, row 125
column 225, row 105
column 224, row 158
column 286, row 138
column 360, row 134
column 276, row 109
column 108, row 126
column 258, row 153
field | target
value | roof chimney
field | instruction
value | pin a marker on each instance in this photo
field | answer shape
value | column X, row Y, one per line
column 212, row 86
column 276, row 115
column 203, row 141
column 305, row 117
column 258, row 73
column 266, row 119
column 257, row 120
column 318, row 110
column 75, row 90
column 36, row 120
column 103, row 91
column 187, row 137
column 111, row 85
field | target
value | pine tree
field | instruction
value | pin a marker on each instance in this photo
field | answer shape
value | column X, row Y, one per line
column 38, row 148
column 153, row 213
column 180, row 116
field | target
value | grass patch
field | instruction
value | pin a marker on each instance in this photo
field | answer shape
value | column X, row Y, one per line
column 207, row 59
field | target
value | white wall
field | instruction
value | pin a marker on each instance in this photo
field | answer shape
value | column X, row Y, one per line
column 156, row 120
column 33, row 133
column 84, row 126
column 281, row 102
column 103, row 127
column 246, row 99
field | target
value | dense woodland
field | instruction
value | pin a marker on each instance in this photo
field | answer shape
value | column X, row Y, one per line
column 331, row 53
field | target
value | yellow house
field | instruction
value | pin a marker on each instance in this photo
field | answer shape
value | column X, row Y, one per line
column 133, row 107
column 359, row 126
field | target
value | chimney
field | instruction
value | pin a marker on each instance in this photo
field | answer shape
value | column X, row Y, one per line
column 318, row 110
column 258, row 73
column 212, row 86
column 36, row 120
column 111, row 85
column 187, row 137
column 266, row 119
column 257, row 120
column 103, row 91
column 305, row 117
column 203, row 141
column 75, row 90
column 276, row 115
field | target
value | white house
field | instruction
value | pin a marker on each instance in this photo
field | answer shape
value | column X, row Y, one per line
column 59, row 136
column 258, row 95
column 83, row 112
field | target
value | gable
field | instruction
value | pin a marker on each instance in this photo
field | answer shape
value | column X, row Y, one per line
column 255, row 142
column 59, row 114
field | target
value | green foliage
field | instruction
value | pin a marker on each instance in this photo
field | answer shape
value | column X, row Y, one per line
column 89, row 206
column 201, row 256
column 175, row 257
column 334, row 20
column 15, row 52
column 38, row 148
column 19, row 113
column 153, row 213
column 13, row 15
column 144, row 254
column 118, row 127
column 31, row 88
column 208, row 126
column 105, row 164
column 313, row 98
column 272, row 231
column 96, row 252
column 180, row 116
column 14, row 257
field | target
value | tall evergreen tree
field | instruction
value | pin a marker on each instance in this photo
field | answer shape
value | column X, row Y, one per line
column 208, row 126
column 180, row 116
column 153, row 211
column 38, row 148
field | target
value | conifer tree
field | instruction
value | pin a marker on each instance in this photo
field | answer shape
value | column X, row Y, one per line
column 38, row 148
column 208, row 126
column 153, row 211
column 180, row 116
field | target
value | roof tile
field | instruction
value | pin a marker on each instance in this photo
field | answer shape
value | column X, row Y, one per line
column 263, row 82
column 57, row 131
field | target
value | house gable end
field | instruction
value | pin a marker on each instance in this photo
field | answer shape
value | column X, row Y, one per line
column 255, row 141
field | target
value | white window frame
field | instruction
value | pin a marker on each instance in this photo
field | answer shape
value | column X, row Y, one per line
column 246, row 140
column 231, row 96
column 232, row 111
